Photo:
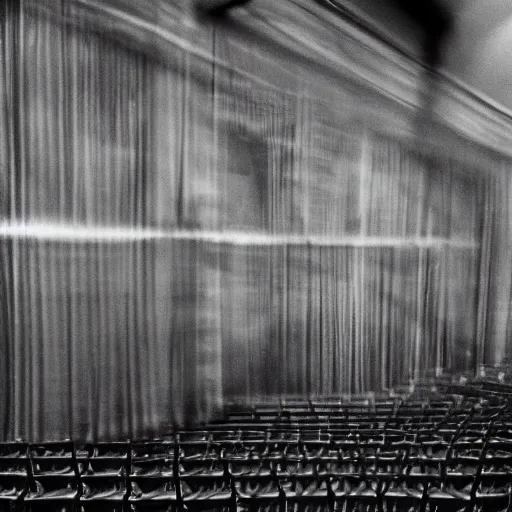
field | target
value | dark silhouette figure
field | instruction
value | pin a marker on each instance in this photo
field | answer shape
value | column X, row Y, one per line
column 218, row 7
column 435, row 20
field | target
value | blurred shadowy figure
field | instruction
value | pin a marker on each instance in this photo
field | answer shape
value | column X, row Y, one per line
column 436, row 22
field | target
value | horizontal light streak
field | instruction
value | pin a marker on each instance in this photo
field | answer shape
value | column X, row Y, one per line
column 68, row 232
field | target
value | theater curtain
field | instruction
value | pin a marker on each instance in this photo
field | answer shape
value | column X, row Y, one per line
column 189, row 220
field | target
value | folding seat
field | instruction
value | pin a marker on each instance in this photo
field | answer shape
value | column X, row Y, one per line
column 315, row 443
column 190, row 448
column 433, row 449
column 13, row 451
column 341, row 466
column 152, row 480
column 52, row 450
column 12, row 490
column 348, row 449
column 493, row 492
column 389, row 464
column 206, row 492
column 282, row 434
column 497, row 458
column 461, row 487
column 211, row 464
column 469, row 438
column 250, row 466
column 153, row 458
column 369, row 456
column 48, row 493
column 501, row 438
column 53, row 481
column 449, row 493
column 235, row 450
column 448, row 430
column 412, row 454
column 468, row 449
column 306, row 493
column 399, row 495
column 148, row 490
column 294, row 466
column 258, row 493
column 478, row 426
column 493, row 462
column 104, row 469
column 356, row 493
column 295, row 449
column 440, row 500
column 14, row 470
column 255, row 441
column 391, row 436
column 395, row 435
column 326, row 464
column 462, row 465
column 417, row 485
column 345, row 484
column 203, row 476
column 275, row 450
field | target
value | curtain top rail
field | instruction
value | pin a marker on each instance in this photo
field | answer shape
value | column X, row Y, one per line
column 490, row 123
column 346, row 13
column 68, row 232
column 345, row 10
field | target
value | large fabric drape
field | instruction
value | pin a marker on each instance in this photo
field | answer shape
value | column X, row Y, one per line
column 193, row 219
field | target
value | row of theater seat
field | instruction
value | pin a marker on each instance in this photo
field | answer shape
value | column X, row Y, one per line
column 437, row 454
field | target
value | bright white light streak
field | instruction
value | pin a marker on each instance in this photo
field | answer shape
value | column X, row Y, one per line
column 48, row 231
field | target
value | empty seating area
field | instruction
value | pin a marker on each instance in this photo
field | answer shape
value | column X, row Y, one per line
column 444, row 452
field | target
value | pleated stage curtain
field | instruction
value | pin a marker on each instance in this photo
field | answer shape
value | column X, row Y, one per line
column 187, row 219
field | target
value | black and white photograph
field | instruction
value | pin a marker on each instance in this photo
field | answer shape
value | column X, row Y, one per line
column 256, row 255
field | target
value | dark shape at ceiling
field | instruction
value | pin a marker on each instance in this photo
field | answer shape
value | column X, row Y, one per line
column 436, row 22
column 218, row 7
